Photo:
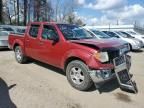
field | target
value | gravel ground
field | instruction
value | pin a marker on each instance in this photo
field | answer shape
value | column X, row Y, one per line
column 37, row 85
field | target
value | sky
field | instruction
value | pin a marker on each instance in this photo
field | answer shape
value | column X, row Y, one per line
column 103, row 12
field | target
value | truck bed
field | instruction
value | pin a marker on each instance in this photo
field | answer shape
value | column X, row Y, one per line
column 15, row 37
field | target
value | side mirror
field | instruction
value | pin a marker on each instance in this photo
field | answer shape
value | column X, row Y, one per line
column 55, row 39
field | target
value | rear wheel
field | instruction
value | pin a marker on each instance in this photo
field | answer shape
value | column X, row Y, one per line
column 19, row 55
column 78, row 76
column 130, row 47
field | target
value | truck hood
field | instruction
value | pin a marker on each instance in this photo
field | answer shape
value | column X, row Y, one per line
column 101, row 43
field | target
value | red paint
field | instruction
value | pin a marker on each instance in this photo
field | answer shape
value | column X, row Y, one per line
column 59, row 53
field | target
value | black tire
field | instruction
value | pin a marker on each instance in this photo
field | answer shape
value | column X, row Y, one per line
column 86, row 83
column 22, row 59
column 131, row 49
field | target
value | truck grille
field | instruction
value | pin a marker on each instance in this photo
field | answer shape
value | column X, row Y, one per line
column 119, row 60
column 112, row 55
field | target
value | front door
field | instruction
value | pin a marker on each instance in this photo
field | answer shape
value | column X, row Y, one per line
column 49, row 52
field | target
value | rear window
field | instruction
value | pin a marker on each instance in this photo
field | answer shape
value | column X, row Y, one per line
column 34, row 30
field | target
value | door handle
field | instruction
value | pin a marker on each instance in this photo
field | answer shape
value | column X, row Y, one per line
column 41, row 43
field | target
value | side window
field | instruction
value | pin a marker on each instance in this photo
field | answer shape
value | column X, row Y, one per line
column 48, row 32
column 34, row 30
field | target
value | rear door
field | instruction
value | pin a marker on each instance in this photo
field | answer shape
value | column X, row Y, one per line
column 31, row 41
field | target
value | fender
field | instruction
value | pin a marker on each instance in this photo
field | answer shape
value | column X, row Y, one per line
column 76, row 53
column 86, row 57
column 20, row 43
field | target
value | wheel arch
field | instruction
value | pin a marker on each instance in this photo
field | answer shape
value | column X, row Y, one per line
column 19, row 43
column 15, row 45
column 68, row 60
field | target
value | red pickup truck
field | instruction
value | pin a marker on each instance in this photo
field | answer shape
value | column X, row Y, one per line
column 85, row 59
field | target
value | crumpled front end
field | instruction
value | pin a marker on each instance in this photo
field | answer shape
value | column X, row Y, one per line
column 102, row 75
column 101, row 72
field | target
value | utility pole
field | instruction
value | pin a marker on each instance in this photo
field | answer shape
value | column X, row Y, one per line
column 117, row 22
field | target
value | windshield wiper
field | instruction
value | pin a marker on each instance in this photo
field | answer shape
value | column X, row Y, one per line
column 88, row 38
column 73, row 38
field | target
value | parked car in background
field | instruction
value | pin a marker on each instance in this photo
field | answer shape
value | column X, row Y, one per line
column 7, row 28
column 4, row 39
column 85, row 59
column 134, row 43
column 20, row 29
column 132, row 37
column 13, row 29
column 98, row 34
column 135, row 35
column 101, row 35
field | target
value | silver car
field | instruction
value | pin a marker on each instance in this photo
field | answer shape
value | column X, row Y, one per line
column 134, row 43
column 4, row 39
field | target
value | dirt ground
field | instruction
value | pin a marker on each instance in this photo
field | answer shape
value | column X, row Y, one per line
column 37, row 85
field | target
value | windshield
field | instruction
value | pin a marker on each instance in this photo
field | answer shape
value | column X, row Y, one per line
column 3, row 34
column 111, row 34
column 121, row 34
column 132, row 33
column 126, row 35
column 100, row 34
column 73, row 32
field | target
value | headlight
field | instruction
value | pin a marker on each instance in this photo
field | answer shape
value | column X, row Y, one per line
column 137, row 42
column 101, row 56
column 126, row 48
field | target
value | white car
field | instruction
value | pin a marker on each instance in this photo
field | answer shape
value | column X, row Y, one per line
column 97, row 34
column 134, row 43
column 4, row 39
column 135, row 35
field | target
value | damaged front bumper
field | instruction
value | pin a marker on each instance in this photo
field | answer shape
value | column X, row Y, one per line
column 100, row 76
column 120, row 71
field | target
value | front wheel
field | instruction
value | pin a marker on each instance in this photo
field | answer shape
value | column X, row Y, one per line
column 78, row 76
column 19, row 55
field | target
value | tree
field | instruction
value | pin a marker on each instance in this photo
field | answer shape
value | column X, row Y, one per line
column 71, row 19
column 14, row 7
column 25, row 11
column 18, row 14
column 1, row 11
column 8, row 11
column 63, row 10
column 79, row 22
column 42, row 10
column 49, row 11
